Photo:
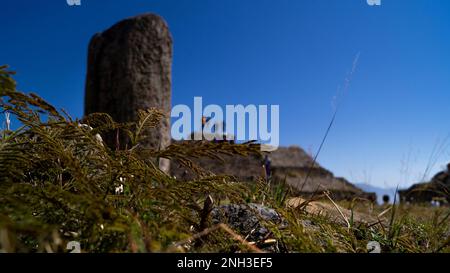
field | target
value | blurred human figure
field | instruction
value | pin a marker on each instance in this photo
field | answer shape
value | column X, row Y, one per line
column 266, row 166
column 386, row 199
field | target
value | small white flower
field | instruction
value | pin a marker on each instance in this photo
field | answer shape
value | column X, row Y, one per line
column 119, row 189
column 98, row 137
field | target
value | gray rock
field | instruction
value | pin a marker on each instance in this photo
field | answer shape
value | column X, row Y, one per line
column 129, row 68
column 248, row 220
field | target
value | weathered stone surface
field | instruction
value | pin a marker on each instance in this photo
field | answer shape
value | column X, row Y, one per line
column 129, row 68
column 248, row 219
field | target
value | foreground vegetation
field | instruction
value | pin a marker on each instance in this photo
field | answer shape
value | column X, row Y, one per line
column 59, row 183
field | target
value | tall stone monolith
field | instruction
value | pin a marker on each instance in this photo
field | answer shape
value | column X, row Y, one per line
column 129, row 68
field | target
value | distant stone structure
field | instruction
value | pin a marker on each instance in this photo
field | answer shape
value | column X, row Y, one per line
column 437, row 191
column 292, row 165
column 287, row 164
column 129, row 68
column 245, row 168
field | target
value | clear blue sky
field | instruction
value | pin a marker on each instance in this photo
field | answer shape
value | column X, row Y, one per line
column 292, row 53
